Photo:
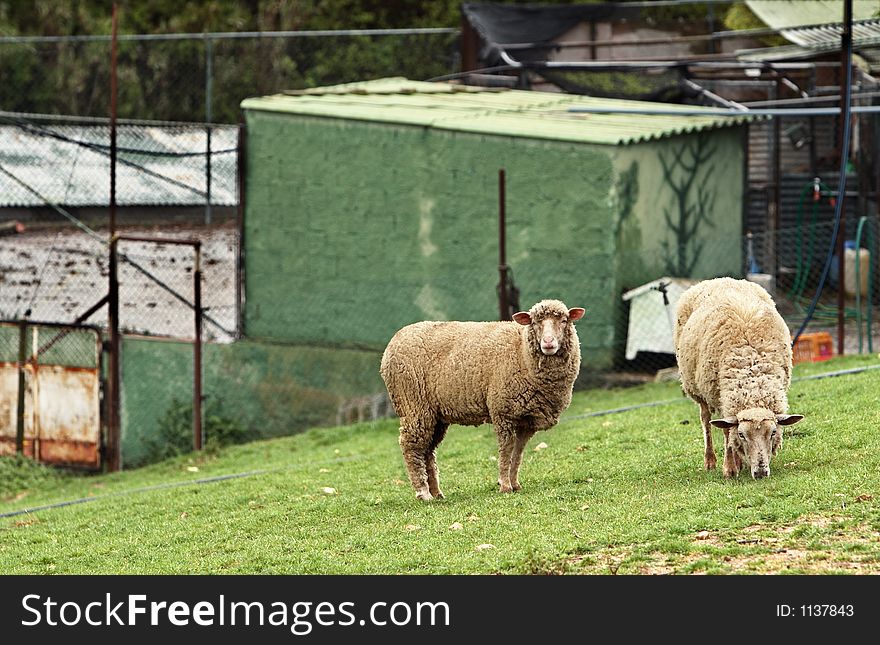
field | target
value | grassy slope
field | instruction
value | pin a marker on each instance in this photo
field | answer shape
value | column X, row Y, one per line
column 621, row 493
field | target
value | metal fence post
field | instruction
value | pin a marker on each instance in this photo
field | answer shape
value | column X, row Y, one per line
column 113, row 368
column 22, row 359
column 503, row 306
column 209, row 99
column 198, row 429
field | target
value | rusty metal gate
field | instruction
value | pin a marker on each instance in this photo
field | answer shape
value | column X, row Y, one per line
column 50, row 393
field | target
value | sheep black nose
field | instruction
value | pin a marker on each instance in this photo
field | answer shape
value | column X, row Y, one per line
column 761, row 473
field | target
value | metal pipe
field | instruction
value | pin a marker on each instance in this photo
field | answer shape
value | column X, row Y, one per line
column 22, row 359
column 829, row 111
column 159, row 240
column 775, row 215
column 66, row 118
column 503, row 306
column 711, row 36
column 231, row 35
column 811, row 99
column 114, row 457
column 113, row 453
column 209, row 99
column 845, row 44
column 113, row 122
column 198, row 429
column 239, row 214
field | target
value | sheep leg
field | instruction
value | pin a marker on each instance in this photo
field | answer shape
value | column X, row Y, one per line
column 431, row 460
column 709, row 459
column 415, row 441
column 522, row 438
column 506, row 444
column 731, row 463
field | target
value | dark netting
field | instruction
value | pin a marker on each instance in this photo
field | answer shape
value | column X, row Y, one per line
column 501, row 24
column 526, row 34
column 643, row 85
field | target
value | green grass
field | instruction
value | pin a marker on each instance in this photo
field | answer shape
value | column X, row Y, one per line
column 623, row 493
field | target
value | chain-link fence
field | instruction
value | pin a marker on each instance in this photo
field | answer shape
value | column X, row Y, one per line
column 204, row 77
column 48, row 160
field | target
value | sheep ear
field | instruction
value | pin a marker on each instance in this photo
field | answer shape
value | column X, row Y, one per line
column 788, row 419
column 522, row 317
column 729, row 422
column 576, row 313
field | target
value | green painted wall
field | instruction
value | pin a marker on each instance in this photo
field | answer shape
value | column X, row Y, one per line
column 271, row 389
column 643, row 195
column 354, row 229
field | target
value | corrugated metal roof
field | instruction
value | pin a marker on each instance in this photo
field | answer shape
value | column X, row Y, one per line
column 796, row 13
column 69, row 165
column 789, row 17
column 498, row 111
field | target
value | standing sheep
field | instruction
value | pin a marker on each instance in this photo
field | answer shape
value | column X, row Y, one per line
column 734, row 356
column 517, row 375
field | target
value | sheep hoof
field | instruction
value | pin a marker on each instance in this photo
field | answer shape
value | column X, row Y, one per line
column 710, row 463
column 506, row 488
column 730, row 474
column 439, row 495
column 424, row 495
column 516, row 487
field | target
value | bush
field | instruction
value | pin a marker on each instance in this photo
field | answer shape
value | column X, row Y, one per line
column 175, row 434
column 18, row 473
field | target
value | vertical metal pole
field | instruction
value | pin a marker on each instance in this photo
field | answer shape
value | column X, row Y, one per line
column 22, row 359
column 198, row 430
column 239, row 248
column 503, row 307
column 113, row 123
column 845, row 39
column 209, row 99
column 776, row 216
column 813, row 166
column 113, row 380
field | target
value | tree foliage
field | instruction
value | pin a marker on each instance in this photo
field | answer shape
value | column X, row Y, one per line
column 167, row 79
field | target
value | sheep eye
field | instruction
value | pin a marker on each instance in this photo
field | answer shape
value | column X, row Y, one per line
column 773, row 432
column 742, row 435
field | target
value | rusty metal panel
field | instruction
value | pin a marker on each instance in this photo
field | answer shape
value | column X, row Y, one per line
column 67, row 415
column 9, row 408
column 62, row 422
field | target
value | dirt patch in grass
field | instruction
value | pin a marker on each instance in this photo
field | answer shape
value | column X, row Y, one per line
column 812, row 544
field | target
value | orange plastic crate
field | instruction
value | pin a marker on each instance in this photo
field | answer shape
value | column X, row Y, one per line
column 818, row 346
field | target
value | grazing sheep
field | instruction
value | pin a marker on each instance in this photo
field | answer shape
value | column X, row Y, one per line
column 517, row 375
column 734, row 356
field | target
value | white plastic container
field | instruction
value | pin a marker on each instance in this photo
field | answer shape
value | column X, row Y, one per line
column 849, row 276
column 765, row 280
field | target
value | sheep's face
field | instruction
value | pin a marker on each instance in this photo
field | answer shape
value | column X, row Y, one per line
column 549, row 324
column 756, row 434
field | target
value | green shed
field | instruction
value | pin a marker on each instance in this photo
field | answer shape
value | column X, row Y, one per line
column 372, row 205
